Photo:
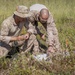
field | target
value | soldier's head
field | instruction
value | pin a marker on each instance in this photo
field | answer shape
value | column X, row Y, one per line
column 21, row 13
column 44, row 15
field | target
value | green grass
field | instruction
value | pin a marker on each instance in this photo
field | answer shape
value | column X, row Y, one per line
column 63, row 12
column 26, row 65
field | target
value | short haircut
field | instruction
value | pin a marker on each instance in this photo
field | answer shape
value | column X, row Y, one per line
column 44, row 10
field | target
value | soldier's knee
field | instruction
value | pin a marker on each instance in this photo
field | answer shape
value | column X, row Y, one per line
column 3, row 52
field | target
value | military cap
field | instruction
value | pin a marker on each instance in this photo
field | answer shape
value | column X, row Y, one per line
column 22, row 11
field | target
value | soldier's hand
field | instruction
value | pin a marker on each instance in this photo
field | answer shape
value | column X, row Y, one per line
column 26, row 36
column 50, row 50
column 43, row 37
column 20, row 38
column 23, row 37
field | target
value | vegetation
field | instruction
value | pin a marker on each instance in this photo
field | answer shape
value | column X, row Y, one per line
column 27, row 65
column 63, row 13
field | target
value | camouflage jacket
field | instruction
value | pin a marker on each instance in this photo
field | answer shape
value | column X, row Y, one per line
column 9, row 28
column 49, row 25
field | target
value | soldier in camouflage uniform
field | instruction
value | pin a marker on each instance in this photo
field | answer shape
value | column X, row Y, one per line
column 41, row 14
column 11, row 28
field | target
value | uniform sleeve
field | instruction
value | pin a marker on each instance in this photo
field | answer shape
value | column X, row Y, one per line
column 31, row 29
column 4, row 33
column 32, row 17
column 51, row 30
column 33, row 21
column 29, row 26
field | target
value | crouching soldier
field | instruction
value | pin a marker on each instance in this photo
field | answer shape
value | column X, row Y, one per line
column 41, row 14
column 12, row 27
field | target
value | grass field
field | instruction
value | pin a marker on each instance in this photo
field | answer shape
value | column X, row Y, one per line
column 63, row 12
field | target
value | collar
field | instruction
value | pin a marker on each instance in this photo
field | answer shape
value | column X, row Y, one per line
column 37, row 17
column 13, row 21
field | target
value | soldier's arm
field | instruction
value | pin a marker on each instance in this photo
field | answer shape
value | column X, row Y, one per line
column 31, row 28
column 51, row 30
column 33, row 21
column 4, row 34
column 28, row 25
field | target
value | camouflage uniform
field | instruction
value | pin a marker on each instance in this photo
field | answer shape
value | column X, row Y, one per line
column 9, row 29
column 50, row 26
